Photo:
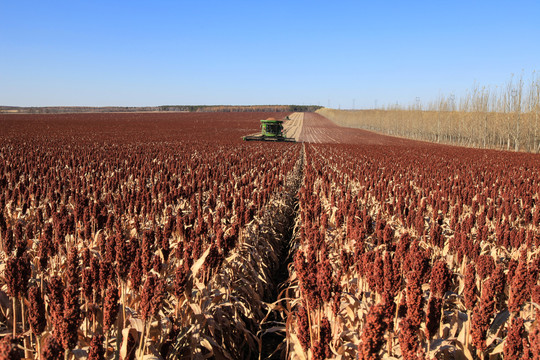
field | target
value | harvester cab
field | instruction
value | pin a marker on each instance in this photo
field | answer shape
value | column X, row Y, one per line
column 271, row 130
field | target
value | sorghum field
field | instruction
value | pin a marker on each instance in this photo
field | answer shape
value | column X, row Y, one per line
column 164, row 236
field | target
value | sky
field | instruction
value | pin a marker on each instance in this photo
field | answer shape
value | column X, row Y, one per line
column 339, row 54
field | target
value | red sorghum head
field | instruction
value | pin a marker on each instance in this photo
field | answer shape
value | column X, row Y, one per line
column 73, row 268
column 96, row 351
column 480, row 321
column 11, row 274
column 52, row 349
column 485, row 266
column 7, row 350
column 8, row 242
column 513, row 347
column 123, row 256
column 408, row 340
column 302, row 327
column 519, row 292
column 147, row 295
column 136, row 271
column 433, row 316
column 72, row 318
column 441, row 279
column 415, row 300
column 105, row 274
column 534, row 341
column 392, row 275
column 470, row 291
column 157, row 298
column 36, row 311
column 325, row 279
column 110, row 306
column 325, row 335
column 372, row 337
column 17, row 273
column 181, row 280
column 498, row 283
column 402, row 307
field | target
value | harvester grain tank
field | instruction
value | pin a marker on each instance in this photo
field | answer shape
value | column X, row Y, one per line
column 271, row 130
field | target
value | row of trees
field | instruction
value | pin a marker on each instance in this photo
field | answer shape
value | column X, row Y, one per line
column 172, row 108
column 505, row 117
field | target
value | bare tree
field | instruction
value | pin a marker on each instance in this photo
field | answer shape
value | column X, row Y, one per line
column 517, row 95
column 507, row 117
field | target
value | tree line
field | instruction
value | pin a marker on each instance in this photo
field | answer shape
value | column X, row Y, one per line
column 168, row 108
column 505, row 117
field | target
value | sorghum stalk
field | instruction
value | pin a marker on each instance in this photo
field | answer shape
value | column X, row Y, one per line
column 14, row 301
column 27, row 353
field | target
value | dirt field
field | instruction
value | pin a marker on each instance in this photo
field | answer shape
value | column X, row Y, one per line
column 318, row 129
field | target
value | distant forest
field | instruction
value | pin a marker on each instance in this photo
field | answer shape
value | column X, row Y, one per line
column 168, row 108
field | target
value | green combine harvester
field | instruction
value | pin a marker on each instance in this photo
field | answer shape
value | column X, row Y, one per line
column 271, row 130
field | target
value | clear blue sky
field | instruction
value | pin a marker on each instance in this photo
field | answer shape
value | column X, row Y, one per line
column 133, row 53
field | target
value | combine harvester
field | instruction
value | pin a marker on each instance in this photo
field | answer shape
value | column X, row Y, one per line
column 271, row 130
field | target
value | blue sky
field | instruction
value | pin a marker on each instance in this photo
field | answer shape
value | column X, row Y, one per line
column 134, row 53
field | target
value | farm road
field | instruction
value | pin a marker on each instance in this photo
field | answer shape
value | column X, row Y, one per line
column 293, row 127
